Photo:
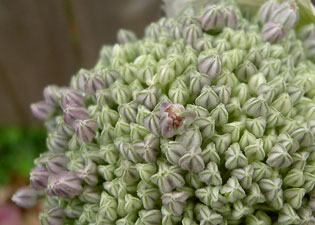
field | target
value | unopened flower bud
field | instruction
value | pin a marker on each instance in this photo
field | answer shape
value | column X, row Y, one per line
column 233, row 190
column 211, row 65
column 212, row 19
column 279, row 157
column 234, row 157
column 74, row 113
column 52, row 94
column 273, row 32
column 192, row 160
column 89, row 173
column 39, row 178
column 176, row 202
column 246, row 70
column 266, row 10
column 220, row 115
column 25, row 197
column 57, row 142
column 288, row 215
column 53, row 216
column 43, row 110
column 65, row 184
column 125, row 36
column 256, row 107
column 86, row 129
column 286, row 14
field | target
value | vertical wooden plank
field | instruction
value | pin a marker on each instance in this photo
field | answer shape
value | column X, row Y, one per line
column 34, row 50
column 98, row 22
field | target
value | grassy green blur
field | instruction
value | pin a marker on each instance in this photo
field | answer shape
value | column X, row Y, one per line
column 19, row 146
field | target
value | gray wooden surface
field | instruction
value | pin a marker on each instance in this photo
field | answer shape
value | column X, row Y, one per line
column 46, row 41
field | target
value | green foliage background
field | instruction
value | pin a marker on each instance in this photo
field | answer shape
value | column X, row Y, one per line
column 19, row 146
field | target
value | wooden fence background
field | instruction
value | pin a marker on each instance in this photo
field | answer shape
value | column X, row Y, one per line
column 46, row 41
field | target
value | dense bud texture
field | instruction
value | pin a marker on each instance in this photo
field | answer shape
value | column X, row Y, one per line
column 209, row 119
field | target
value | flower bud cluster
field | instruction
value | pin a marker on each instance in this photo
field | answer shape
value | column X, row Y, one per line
column 209, row 119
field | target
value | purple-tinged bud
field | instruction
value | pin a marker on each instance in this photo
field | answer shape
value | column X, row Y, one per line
column 43, row 110
column 65, row 184
column 25, row 197
column 56, row 163
column 53, row 216
column 266, row 10
column 211, row 66
column 57, row 142
column 39, row 178
column 86, row 129
column 230, row 18
column 273, row 32
column 75, row 113
column 52, row 94
column 81, row 78
column 93, row 83
column 71, row 98
column 89, row 173
column 212, row 19
column 286, row 14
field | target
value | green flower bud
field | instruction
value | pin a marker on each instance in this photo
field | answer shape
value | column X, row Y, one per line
column 220, row 115
column 147, row 149
column 303, row 135
column 208, row 98
column 244, row 176
column 222, row 45
column 266, row 10
column 294, row 197
column 168, row 218
column 283, row 103
column 279, row 157
column 207, row 216
column 289, row 143
column 192, row 160
column 107, row 116
column 211, row 175
column 52, row 216
column 255, row 82
column 240, row 210
column 287, row 215
column 223, row 92
column 74, row 209
column 256, row 126
column 256, row 107
column 309, row 182
column 239, row 40
column 203, row 43
column 168, row 178
column 273, row 32
column 271, row 188
column 125, row 36
column 132, row 203
column 148, row 119
column 198, row 81
column 254, row 196
column 120, row 92
column 107, row 172
column 149, row 217
column 294, row 178
column 247, row 139
column 148, row 194
column 255, row 56
column 233, row 190
column 208, row 194
column 234, row 157
column 127, row 171
column 175, row 201
column 191, row 138
column 233, row 58
column 222, row 142
column 210, row 153
column 246, row 70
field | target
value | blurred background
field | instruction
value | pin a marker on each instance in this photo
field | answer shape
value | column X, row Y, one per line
column 41, row 43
